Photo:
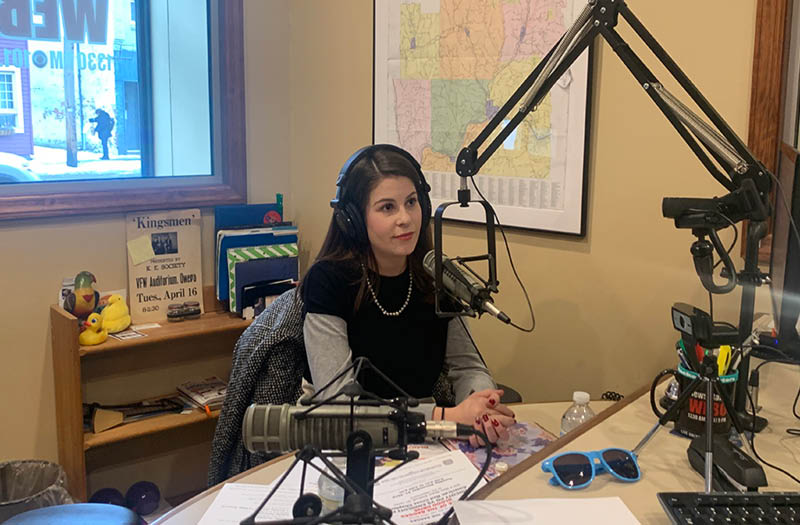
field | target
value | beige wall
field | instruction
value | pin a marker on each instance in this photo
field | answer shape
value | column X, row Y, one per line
column 602, row 302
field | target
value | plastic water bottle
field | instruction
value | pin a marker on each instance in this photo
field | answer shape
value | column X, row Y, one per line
column 578, row 413
column 331, row 494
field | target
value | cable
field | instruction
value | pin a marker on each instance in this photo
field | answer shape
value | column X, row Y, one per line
column 610, row 395
column 735, row 235
column 511, row 260
column 752, row 440
column 488, row 447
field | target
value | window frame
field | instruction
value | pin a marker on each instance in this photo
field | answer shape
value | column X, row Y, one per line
column 229, row 149
column 16, row 97
column 770, row 56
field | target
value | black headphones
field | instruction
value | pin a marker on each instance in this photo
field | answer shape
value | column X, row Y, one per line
column 347, row 214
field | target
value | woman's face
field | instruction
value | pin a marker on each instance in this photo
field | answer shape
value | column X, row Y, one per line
column 393, row 218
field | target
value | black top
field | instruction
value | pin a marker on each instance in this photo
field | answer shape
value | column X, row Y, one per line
column 408, row 348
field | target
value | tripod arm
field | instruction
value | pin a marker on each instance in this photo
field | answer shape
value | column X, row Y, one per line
column 719, row 141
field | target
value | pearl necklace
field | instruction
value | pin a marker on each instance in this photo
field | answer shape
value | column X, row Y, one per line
column 375, row 297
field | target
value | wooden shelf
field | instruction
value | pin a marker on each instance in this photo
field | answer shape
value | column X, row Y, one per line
column 144, row 427
column 207, row 324
column 71, row 362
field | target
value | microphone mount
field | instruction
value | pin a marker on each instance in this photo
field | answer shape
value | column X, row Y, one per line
column 718, row 148
column 358, row 482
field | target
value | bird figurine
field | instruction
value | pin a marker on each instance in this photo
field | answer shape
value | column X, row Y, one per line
column 83, row 299
column 95, row 333
column 115, row 315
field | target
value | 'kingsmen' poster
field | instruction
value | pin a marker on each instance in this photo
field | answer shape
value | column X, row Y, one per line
column 164, row 265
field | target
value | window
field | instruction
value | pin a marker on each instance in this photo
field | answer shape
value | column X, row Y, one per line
column 148, row 115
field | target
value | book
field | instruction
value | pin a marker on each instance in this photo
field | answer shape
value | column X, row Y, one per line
column 229, row 239
column 208, row 393
column 164, row 264
column 256, row 297
column 97, row 417
column 524, row 439
column 248, row 215
column 248, row 266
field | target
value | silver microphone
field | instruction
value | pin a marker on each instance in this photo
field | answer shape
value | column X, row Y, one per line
column 277, row 428
column 463, row 286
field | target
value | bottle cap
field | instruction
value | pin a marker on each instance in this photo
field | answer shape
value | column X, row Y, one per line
column 581, row 398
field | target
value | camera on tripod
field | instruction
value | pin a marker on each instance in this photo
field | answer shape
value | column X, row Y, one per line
column 697, row 327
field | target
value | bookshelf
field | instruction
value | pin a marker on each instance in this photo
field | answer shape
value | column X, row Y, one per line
column 215, row 334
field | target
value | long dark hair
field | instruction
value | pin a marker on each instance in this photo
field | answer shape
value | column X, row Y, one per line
column 362, row 178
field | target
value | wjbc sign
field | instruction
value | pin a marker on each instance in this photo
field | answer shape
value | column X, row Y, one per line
column 84, row 21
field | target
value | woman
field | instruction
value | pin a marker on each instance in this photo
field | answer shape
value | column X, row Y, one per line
column 367, row 294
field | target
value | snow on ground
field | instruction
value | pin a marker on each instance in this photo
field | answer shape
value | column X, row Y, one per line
column 50, row 164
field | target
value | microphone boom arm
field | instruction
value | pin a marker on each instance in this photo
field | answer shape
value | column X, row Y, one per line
column 600, row 17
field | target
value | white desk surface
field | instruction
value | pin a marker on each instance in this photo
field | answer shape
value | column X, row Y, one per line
column 664, row 463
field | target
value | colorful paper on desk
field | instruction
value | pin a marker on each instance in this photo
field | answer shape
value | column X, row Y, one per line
column 523, row 440
column 555, row 511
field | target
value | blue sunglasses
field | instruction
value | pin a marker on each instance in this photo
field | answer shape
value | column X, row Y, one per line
column 576, row 470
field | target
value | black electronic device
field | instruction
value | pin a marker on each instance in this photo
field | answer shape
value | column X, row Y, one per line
column 689, row 508
column 785, row 258
column 733, row 469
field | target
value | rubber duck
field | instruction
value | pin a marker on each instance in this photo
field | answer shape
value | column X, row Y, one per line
column 83, row 299
column 94, row 333
column 115, row 315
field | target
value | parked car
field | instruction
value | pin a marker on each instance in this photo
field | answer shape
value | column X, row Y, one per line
column 14, row 168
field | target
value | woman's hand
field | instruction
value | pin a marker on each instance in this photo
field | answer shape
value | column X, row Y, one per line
column 484, row 412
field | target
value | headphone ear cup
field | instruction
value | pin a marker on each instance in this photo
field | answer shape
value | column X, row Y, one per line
column 425, row 203
column 343, row 222
column 351, row 224
column 359, row 227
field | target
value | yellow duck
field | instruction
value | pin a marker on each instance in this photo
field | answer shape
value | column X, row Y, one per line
column 115, row 316
column 94, row 333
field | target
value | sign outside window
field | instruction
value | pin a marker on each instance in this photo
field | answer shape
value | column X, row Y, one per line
column 69, row 89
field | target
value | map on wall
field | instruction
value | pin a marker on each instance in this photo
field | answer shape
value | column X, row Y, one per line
column 443, row 68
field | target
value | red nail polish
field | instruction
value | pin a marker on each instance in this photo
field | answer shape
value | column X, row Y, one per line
column 495, row 423
column 492, row 402
column 478, row 421
column 485, row 417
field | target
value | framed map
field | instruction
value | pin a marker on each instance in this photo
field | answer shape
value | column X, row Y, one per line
column 442, row 70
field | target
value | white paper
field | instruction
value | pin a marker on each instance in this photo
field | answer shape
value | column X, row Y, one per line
column 556, row 511
column 237, row 501
column 423, row 490
column 419, row 492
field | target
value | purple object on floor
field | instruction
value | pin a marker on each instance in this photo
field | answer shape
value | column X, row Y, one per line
column 143, row 497
column 108, row 495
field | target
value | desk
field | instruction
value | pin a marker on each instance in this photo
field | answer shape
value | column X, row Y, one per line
column 665, row 467
column 664, row 464
column 547, row 415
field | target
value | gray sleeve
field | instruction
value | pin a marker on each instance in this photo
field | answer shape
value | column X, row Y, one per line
column 327, row 350
column 328, row 353
column 465, row 369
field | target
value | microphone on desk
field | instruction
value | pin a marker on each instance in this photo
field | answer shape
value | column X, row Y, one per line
column 283, row 428
column 463, row 286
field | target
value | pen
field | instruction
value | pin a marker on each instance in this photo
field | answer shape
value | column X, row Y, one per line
column 723, row 359
column 681, row 356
